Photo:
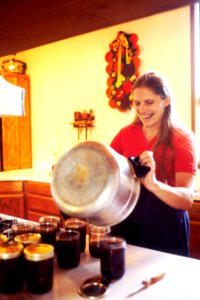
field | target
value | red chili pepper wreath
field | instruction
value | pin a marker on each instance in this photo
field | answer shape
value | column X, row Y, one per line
column 122, row 69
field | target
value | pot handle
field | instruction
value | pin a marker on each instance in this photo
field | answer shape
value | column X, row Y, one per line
column 140, row 170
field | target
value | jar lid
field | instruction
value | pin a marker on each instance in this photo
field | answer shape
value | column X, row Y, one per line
column 10, row 250
column 28, row 238
column 113, row 242
column 39, row 252
column 50, row 219
column 94, row 288
column 3, row 238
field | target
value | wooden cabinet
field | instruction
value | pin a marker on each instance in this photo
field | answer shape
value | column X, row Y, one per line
column 39, row 201
column 12, row 198
column 195, row 230
column 15, row 132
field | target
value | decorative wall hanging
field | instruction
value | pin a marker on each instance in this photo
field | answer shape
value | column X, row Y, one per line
column 122, row 68
column 84, row 120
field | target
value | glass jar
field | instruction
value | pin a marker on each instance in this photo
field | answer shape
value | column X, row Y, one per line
column 48, row 232
column 39, row 268
column 68, row 249
column 11, row 267
column 80, row 226
column 96, row 233
column 27, row 239
column 24, row 227
column 51, row 219
column 112, row 259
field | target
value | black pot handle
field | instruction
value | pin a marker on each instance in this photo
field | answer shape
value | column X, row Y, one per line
column 140, row 170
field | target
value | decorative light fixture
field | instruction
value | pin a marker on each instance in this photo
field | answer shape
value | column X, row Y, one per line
column 14, row 65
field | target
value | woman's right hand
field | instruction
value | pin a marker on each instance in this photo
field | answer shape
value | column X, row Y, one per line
column 147, row 159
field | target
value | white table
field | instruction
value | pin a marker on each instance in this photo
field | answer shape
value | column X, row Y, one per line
column 181, row 282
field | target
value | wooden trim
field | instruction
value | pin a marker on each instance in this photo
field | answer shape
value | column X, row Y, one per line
column 193, row 117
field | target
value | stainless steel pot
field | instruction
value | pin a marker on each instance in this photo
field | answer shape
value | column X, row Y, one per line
column 93, row 182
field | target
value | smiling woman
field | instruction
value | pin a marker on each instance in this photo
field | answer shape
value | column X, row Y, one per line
column 160, row 219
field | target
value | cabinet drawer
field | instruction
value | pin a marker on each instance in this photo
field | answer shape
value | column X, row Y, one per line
column 11, row 187
column 38, row 188
column 46, row 205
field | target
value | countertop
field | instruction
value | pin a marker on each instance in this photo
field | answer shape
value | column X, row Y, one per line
column 40, row 175
column 44, row 175
column 181, row 281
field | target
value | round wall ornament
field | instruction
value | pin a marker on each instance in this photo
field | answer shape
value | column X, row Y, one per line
column 122, row 69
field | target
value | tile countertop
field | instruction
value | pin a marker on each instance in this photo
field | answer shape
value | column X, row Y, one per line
column 44, row 175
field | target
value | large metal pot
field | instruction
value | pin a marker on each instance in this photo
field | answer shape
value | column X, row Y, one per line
column 93, row 182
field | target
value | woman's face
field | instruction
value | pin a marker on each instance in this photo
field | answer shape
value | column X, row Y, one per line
column 149, row 106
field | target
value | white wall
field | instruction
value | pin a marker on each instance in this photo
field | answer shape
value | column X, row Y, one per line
column 70, row 75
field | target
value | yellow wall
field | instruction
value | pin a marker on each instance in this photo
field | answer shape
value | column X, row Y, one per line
column 70, row 75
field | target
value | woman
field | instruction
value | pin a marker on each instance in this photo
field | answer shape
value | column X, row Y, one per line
column 160, row 219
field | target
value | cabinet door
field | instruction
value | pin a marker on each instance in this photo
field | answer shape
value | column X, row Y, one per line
column 16, row 131
column 195, row 239
column 195, row 230
column 12, row 198
column 12, row 205
column 10, row 143
column 39, row 200
column 25, row 126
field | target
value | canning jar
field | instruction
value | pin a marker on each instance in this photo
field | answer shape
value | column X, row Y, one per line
column 27, row 239
column 39, row 268
column 80, row 226
column 96, row 233
column 112, row 257
column 11, row 267
column 68, row 249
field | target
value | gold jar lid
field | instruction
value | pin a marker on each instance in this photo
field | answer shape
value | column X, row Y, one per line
column 3, row 238
column 10, row 250
column 28, row 238
column 39, row 252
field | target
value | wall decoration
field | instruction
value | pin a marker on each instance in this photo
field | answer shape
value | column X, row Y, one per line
column 84, row 120
column 122, row 68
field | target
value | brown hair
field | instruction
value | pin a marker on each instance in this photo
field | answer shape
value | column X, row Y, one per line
column 156, row 83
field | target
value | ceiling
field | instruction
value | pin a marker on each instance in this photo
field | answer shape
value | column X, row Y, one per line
column 25, row 24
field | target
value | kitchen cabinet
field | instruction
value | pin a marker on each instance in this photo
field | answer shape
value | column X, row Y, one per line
column 39, row 201
column 15, row 132
column 194, row 214
column 12, row 198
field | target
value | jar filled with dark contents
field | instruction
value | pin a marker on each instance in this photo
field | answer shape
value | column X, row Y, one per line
column 48, row 232
column 27, row 239
column 80, row 226
column 39, row 268
column 23, row 227
column 51, row 219
column 96, row 233
column 68, row 249
column 112, row 259
column 11, row 267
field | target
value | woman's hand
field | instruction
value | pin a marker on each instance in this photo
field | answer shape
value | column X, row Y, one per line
column 180, row 196
column 147, row 159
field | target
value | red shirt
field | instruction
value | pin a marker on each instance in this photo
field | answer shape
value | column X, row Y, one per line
column 130, row 142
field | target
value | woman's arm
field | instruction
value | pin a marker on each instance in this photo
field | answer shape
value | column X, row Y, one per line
column 180, row 196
